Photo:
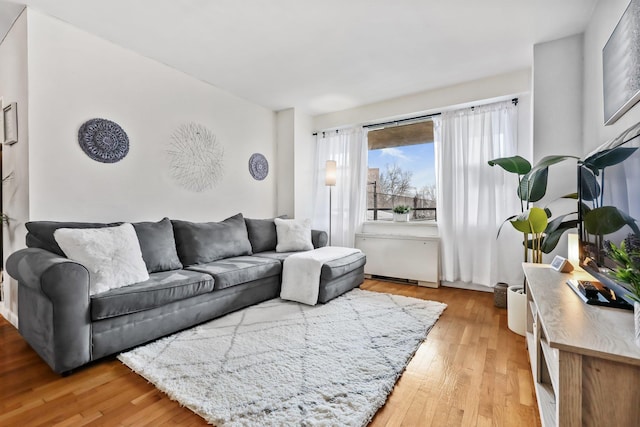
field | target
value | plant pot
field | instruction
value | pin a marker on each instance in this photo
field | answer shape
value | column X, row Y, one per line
column 636, row 321
column 516, row 309
column 401, row 217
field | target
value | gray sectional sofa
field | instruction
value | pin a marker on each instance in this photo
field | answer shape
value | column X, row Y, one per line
column 197, row 271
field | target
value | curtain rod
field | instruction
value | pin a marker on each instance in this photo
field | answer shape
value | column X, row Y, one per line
column 395, row 122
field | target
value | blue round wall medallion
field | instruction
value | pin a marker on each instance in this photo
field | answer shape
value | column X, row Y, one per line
column 103, row 140
column 258, row 166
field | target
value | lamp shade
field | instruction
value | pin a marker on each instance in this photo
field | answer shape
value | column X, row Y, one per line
column 573, row 249
column 330, row 177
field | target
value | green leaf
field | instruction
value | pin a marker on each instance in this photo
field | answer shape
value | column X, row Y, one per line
column 630, row 221
column 607, row 220
column 610, row 157
column 551, row 241
column 584, row 209
column 503, row 223
column 531, row 221
column 533, row 187
column 514, row 164
column 573, row 196
column 559, row 222
column 589, row 186
column 547, row 161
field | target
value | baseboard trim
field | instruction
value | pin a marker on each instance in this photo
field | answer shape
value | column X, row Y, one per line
column 9, row 315
column 469, row 286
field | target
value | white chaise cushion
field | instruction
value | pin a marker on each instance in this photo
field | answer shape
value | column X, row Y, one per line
column 112, row 255
column 293, row 235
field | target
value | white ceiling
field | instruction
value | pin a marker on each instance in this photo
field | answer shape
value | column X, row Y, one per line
column 328, row 55
column 8, row 14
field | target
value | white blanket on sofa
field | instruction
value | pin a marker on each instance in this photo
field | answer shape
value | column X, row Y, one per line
column 301, row 273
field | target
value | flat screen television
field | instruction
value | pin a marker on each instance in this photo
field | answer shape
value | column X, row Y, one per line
column 609, row 204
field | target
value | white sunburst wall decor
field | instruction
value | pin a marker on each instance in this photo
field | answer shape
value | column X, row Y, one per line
column 196, row 157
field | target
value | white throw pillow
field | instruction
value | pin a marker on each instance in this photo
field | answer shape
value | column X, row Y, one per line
column 293, row 235
column 112, row 255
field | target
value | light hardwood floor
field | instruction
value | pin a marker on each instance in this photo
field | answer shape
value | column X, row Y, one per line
column 471, row 371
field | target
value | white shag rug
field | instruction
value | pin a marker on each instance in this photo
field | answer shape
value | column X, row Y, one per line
column 282, row 363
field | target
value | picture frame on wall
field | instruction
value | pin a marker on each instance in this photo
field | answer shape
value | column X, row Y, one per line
column 10, row 123
column 621, row 65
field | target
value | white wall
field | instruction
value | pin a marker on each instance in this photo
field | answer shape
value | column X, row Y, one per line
column 605, row 17
column 496, row 87
column 285, row 137
column 15, row 202
column 305, row 151
column 557, row 96
column 75, row 76
column 296, row 151
column 557, row 119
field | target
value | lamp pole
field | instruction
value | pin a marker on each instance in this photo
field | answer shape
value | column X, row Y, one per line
column 330, row 181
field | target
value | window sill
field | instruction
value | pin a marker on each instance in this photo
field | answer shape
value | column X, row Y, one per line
column 403, row 224
column 411, row 228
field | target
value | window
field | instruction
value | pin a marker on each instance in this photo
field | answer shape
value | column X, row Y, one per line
column 402, row 172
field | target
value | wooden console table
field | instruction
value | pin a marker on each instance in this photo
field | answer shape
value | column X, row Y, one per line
column 585, row 364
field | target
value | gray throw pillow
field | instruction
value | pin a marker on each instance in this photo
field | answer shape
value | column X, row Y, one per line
column 262, row 234
column 40, row 233
column 199, row 243
column 158, row 245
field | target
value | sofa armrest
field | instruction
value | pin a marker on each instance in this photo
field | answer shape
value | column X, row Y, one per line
column 53, row 306
column 319, row 238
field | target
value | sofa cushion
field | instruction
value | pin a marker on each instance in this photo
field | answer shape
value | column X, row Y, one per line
column 202, row 242
column 158, row 245
column 40, row 233
column 161, row 288
column 293, row 235
column 111, row 255
column 262, row 234
column 280, row 256
column 341, row 266
column 331, row 269
column 237, row 270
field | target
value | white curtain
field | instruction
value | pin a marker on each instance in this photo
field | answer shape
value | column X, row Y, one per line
column 348, row 197
column 474, row 198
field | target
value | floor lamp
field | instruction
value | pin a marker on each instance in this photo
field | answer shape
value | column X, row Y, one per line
column 330, row 181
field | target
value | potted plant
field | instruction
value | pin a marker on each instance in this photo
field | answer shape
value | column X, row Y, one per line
column 401, row 213
column 541, row 235
column 627, row 257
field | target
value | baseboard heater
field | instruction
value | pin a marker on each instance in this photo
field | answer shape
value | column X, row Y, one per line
column 415, row 259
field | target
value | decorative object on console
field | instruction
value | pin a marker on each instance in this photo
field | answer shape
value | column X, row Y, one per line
column 196, row 158
column 10, row 123
column 627, row 256
column 103, row 140
column 595, row 293
column 258, row 166
column 330, row 181
column 573, row 248
column 281, row 363
column 401, row 213
column 620, row 70
column 561, row 264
